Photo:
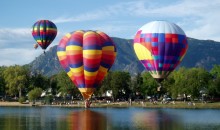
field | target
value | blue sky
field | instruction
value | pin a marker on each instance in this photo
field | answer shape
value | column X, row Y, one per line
column 118, row 18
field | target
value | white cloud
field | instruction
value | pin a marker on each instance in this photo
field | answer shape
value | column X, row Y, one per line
column 198, row 18
column 117, row 29
column 93, row 15
column 19, row 37
column 16, row 37
column 12, row 56
column 15, row 33
column 101, row 13
column 16, row 46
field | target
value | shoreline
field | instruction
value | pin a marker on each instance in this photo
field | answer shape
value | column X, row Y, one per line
column 13, row 104
column 177, row 105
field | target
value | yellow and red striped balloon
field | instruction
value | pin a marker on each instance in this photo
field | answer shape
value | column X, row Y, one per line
column 86, row 56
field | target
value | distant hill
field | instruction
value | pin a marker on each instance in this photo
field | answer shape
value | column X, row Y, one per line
column 201, row 53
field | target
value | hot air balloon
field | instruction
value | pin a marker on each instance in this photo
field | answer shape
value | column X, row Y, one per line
column 160, row 46
column 86, row 56
column 44, row 32
column 35, row 46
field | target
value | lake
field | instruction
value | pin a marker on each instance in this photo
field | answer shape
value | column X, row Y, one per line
column 131, row 118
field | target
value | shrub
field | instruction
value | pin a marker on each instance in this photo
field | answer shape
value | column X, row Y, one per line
column 34, row 94
column 21, row 99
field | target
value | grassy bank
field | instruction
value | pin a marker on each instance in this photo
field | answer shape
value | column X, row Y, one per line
column 189, row 105
column 215, row 105
column 179, row 105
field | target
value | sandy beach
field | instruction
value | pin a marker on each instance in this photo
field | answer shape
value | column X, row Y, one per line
column 13, row 104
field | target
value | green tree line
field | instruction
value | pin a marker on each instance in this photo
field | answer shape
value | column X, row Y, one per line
column 194, row 83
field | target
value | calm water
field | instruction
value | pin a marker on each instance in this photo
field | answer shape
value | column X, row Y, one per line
column 57, row 118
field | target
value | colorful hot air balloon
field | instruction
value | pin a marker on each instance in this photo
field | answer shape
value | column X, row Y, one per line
column 35, row 46
column 44, row 32
column 160, row 46
column 86, row 56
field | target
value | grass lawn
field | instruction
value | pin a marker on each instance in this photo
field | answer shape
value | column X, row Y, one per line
column 178, row 104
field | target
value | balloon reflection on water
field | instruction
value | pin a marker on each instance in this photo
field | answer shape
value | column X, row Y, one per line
column 156, row 120
column 87, row 120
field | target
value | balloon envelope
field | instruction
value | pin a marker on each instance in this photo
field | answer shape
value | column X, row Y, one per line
column 35, row 46
column 44, row 32
column 86, row 56
column 160, row 46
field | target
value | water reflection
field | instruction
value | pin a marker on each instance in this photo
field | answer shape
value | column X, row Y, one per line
column 88, row 120
column 55, row 118
column 156, row 120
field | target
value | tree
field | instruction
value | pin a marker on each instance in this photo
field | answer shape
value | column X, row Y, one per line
column 16, row 79
column 120, row 85
column 105, row 85
column 53, row 84
column 189, row 82
column 136, row 85
column 169, row 85
column 2, row 81
column 149, row 86
column 193, row 82
column 213, row 88
column 65, row 85
column 197, row 81
column 34, row 94
column 215, row 71
column 39, row 81
column 180, row 86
